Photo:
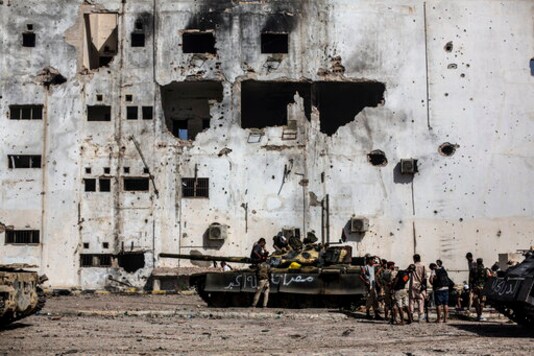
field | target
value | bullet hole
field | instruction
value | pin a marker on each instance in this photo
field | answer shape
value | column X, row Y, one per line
column 377, row 158
column 499, row 233
column 448, row 47
column 452, row 66
column 435, row 211
column 447, row 149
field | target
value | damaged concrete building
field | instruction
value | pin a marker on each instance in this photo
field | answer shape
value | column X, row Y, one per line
column 135, row 127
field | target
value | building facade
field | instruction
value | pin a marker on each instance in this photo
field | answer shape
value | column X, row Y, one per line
column 131, row 128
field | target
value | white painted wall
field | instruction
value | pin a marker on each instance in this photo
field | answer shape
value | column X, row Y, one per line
column 477, row 200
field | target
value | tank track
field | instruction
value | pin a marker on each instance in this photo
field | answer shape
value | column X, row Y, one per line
column 10, row 318
column 522, row 315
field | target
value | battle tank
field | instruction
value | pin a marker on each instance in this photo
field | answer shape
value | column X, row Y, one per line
column 512, row 293
column 20, row 293
column 312, row 278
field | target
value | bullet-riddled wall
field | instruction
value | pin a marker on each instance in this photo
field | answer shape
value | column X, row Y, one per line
column 131, row 127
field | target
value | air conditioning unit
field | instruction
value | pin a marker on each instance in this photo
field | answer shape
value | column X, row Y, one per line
column 408, row 166
column 217, row 231
column 359, row 224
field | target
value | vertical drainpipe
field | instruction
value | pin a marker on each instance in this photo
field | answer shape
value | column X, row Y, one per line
column 44, row 181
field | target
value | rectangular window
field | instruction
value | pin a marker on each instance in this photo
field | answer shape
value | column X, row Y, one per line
column 24, row 161
column 136, row 184
column 105, row 184
column 147, row 113
column 26, row 112
column 198, row 42
column 98, row 113
column 28, row 39
column 90, row 185
column 95, row 260
column 131, row 113
column 22, row 236
column 195, row 187
column 138, row 39
column 274, row 43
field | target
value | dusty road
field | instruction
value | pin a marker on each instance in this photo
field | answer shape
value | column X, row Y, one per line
column 149, row 325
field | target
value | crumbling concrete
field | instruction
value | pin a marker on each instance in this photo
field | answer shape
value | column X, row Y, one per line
column 127, row 55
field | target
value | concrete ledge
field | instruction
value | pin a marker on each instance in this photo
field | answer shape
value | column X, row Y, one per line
column 246, row 314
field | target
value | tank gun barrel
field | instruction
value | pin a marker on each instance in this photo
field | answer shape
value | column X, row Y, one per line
column 206, row 258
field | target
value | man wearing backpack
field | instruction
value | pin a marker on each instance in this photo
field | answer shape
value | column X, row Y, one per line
column 400, row 294
column 440, row 284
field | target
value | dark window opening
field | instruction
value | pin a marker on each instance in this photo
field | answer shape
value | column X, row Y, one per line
column 147, row 113
column 105, row 184
column 274, row 43
column 264, row 104
column 89, row 185
column 29, row 27
column 340, row 102
column 86, row 245
column 26, row 112
column 136, row 184
column 88, row 170
column 145, row 170
column 532, row 70
column 22, row 236
column 28, row 39
column 98, row 113
column 138, row 39
column 131, row 113
column 107, row 170
column 447, row 149
column 105, row 245
column 99, row 97
column 186, row 106
column 377, row 158
column 131, row 262
column 195, row 187
column 95, row 260
column 101, row 39
column 129, row 97
column 198, row 42
column 24, row 161
column 126, row 170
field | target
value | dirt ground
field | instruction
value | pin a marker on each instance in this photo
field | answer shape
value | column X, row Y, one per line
column 182, row 324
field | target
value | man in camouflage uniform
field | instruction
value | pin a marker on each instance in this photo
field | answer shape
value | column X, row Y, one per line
column 263, row 274
column 478, row 280
column 386, row 279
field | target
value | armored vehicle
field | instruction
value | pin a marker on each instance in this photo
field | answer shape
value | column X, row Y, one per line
column 512, row 292
column 20, row 293
column 312, row 278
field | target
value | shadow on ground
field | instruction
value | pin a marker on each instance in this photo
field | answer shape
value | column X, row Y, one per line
column 13, row 326
column 496, row 330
